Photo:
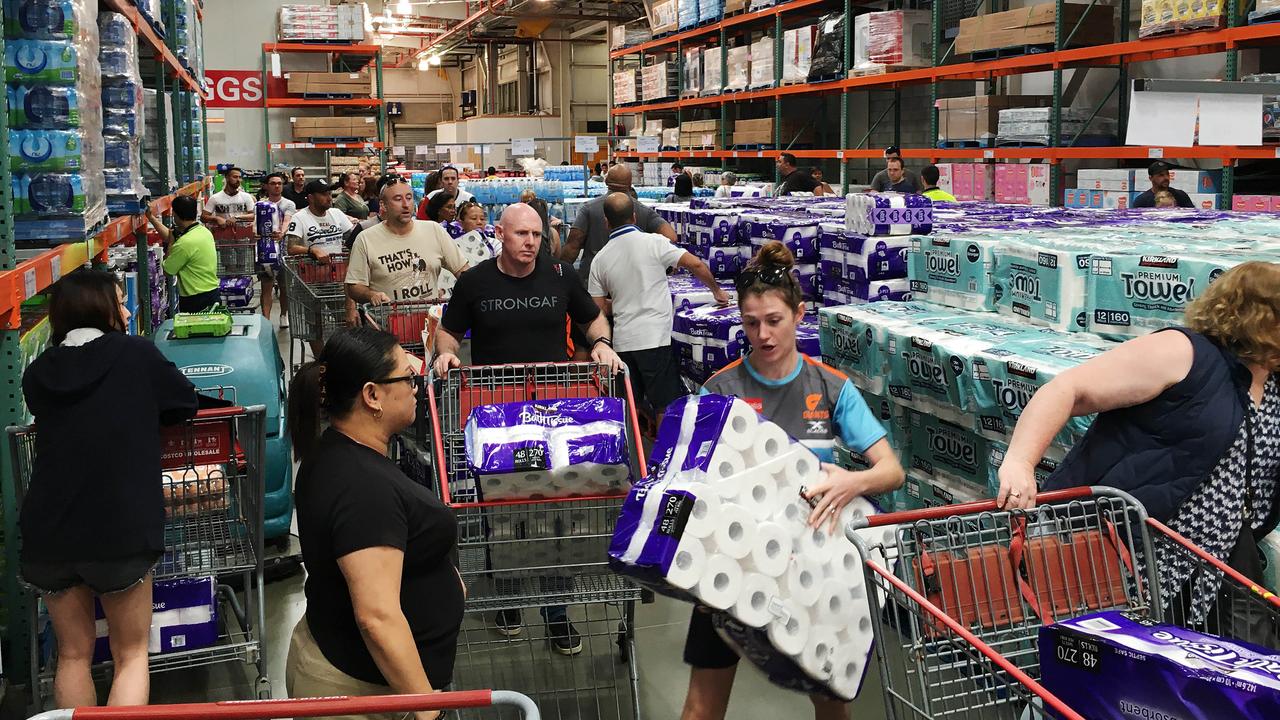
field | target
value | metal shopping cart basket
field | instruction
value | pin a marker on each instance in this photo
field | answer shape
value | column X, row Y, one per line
column 236, row 258
column 306, row 707
column 531, row 554
column 406, row 320
column 959, row 594
column 317, row 295
column 213, row 497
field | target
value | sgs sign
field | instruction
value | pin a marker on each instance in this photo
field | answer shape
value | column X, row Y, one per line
column 233, row 88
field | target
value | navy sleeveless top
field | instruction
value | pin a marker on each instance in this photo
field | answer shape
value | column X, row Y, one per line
column 1161, row 450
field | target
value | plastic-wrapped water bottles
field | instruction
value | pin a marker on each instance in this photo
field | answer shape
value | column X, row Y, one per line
column 41, row 19
column 123, row 115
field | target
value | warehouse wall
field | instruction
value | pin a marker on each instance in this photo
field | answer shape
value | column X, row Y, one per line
column 234, row 31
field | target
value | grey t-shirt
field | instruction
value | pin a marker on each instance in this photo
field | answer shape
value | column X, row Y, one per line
column 590, row 221
column 910, row 182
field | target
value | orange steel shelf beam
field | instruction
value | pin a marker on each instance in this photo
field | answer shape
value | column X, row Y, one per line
column 1197, row 43
column 1224, row 153
column 304, row 102
column 338, row 49
column 33, row 276
column 325, row 146
column 148, row 36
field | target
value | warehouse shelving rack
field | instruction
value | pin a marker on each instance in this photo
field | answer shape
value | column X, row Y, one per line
column 1118, row 56
column 379, row 102
column 23, row 278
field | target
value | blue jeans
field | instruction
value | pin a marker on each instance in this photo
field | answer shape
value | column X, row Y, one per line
column 554, row 614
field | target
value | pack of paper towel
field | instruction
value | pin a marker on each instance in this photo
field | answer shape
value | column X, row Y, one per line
column 721, row 522
column 548, row 449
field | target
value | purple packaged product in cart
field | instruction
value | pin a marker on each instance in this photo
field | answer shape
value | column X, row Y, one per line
column 184, row 616
column 1119, row 665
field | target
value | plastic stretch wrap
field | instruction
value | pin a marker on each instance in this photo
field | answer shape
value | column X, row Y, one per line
column 828, row 48
column 123, row 111
column 1163, row 17
column 895, row 38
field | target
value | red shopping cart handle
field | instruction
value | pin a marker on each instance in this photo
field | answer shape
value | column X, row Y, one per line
column 944, row 511
column 303, row 707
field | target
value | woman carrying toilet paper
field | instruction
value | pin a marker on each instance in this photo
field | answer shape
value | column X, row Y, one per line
column 384, row 599
column 1188, row 423
column 816, row 405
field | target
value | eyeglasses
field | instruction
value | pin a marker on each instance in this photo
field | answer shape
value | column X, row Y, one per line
column 414, row 379
column 775, row 275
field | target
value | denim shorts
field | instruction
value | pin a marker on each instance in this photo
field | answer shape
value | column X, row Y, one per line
column 101, row 576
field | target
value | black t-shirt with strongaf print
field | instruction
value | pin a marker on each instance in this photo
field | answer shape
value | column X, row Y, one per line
column 518, row 320
column 350, row 498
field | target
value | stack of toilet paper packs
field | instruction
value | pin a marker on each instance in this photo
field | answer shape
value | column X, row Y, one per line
column 548, row 449
column 857, row 268
column 721, row 522
column 706, row 338
column 888, row 214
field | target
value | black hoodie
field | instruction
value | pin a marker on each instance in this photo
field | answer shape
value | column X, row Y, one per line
column 95, row 491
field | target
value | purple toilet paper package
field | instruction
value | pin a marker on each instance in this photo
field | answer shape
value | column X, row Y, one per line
column 1119, row 665
column 721, row 522
column 548, row 449
column 888, row 214
column 847, row 254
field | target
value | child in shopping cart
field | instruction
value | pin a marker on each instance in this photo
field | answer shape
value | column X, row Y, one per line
column 815, row 404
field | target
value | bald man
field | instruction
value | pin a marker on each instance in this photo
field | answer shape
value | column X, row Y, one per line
column 629, row 279
column 590, row 231
column 517, row 307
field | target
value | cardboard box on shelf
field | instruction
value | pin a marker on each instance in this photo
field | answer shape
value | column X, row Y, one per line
column 1191, row 181
column 1082, row 198
column 1109, row 179
column 671, row 138
column 1204, row 201
column 700, row 140
column 299, row 83
column 1161, row 17
column 1251, row 203
column 968, row 181
column 664, row 16
column 1022, row 184
column 307, row 128
column 976, row 118
column 1034, row 25
column 759, row 131
column 797, row 53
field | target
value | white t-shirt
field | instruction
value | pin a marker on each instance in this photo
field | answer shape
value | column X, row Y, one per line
column 405, row 267
column 325, row 232
column 284, row 209
column 224, row 205
column 632, row 270
column 463, row 195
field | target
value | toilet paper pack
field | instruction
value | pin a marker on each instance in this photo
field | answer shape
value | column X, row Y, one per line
column 799, row 232
column 953, row 270
column 1119, row 665
column 1007, row 375
column 1134, row 294
column 548, row 449
column 721, row 522
column 859, row 257
column 888, row 214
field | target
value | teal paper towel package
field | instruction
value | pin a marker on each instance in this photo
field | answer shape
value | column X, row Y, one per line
column 1043, row 284
column 943, row 449
column 996, row 452
column 953, row 270
column 1134, row 294
column 854, row 337
column 1007, row 375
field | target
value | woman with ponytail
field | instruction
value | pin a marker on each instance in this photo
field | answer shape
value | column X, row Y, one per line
column 384, row 599
column 815, row 404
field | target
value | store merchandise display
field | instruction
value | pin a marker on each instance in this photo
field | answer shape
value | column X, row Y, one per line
column 237, row 292
column 797, row 53
column 322, row 22
column 721, row 522
column 548, row 449
column 1119, row 664
column 896, row 38
column 54, row 92
column 1035, row 125
column 123, row 260
column 123, row 113
column 828, row 48
column 1163, row 18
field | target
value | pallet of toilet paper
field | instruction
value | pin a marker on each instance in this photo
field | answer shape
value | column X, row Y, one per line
column 707, row 338
column 720, row 521
column 548, row 449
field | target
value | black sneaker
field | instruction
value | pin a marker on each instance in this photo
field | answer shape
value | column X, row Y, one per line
column 508, row 622
column 564, row 638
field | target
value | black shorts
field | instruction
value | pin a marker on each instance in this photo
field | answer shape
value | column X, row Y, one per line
column 704, row 648
column 101, row 576
column 199, row 302
column 655, row 376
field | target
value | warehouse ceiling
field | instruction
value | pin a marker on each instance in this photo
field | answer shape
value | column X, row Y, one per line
column 404, row 36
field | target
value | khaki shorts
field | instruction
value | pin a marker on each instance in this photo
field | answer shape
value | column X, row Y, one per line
column 309, row 674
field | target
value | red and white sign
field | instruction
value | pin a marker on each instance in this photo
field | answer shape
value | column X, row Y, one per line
column 233, row 88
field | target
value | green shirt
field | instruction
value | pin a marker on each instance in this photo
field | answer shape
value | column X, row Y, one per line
column 939, row 194
column 355, row 207
column 193, row 258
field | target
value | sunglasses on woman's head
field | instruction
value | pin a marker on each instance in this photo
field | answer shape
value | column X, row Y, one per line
column 776, row 275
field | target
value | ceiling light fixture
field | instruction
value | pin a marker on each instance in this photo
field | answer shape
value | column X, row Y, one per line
column 435, row 60
column 404, row 8
column 423, row 64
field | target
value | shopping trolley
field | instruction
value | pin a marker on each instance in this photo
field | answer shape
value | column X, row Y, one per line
column 959, row 594
column 236, row 258
column 213, row 497
column 407, row 320
column 317, row 295
column 305, row 707
column 523, row 555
